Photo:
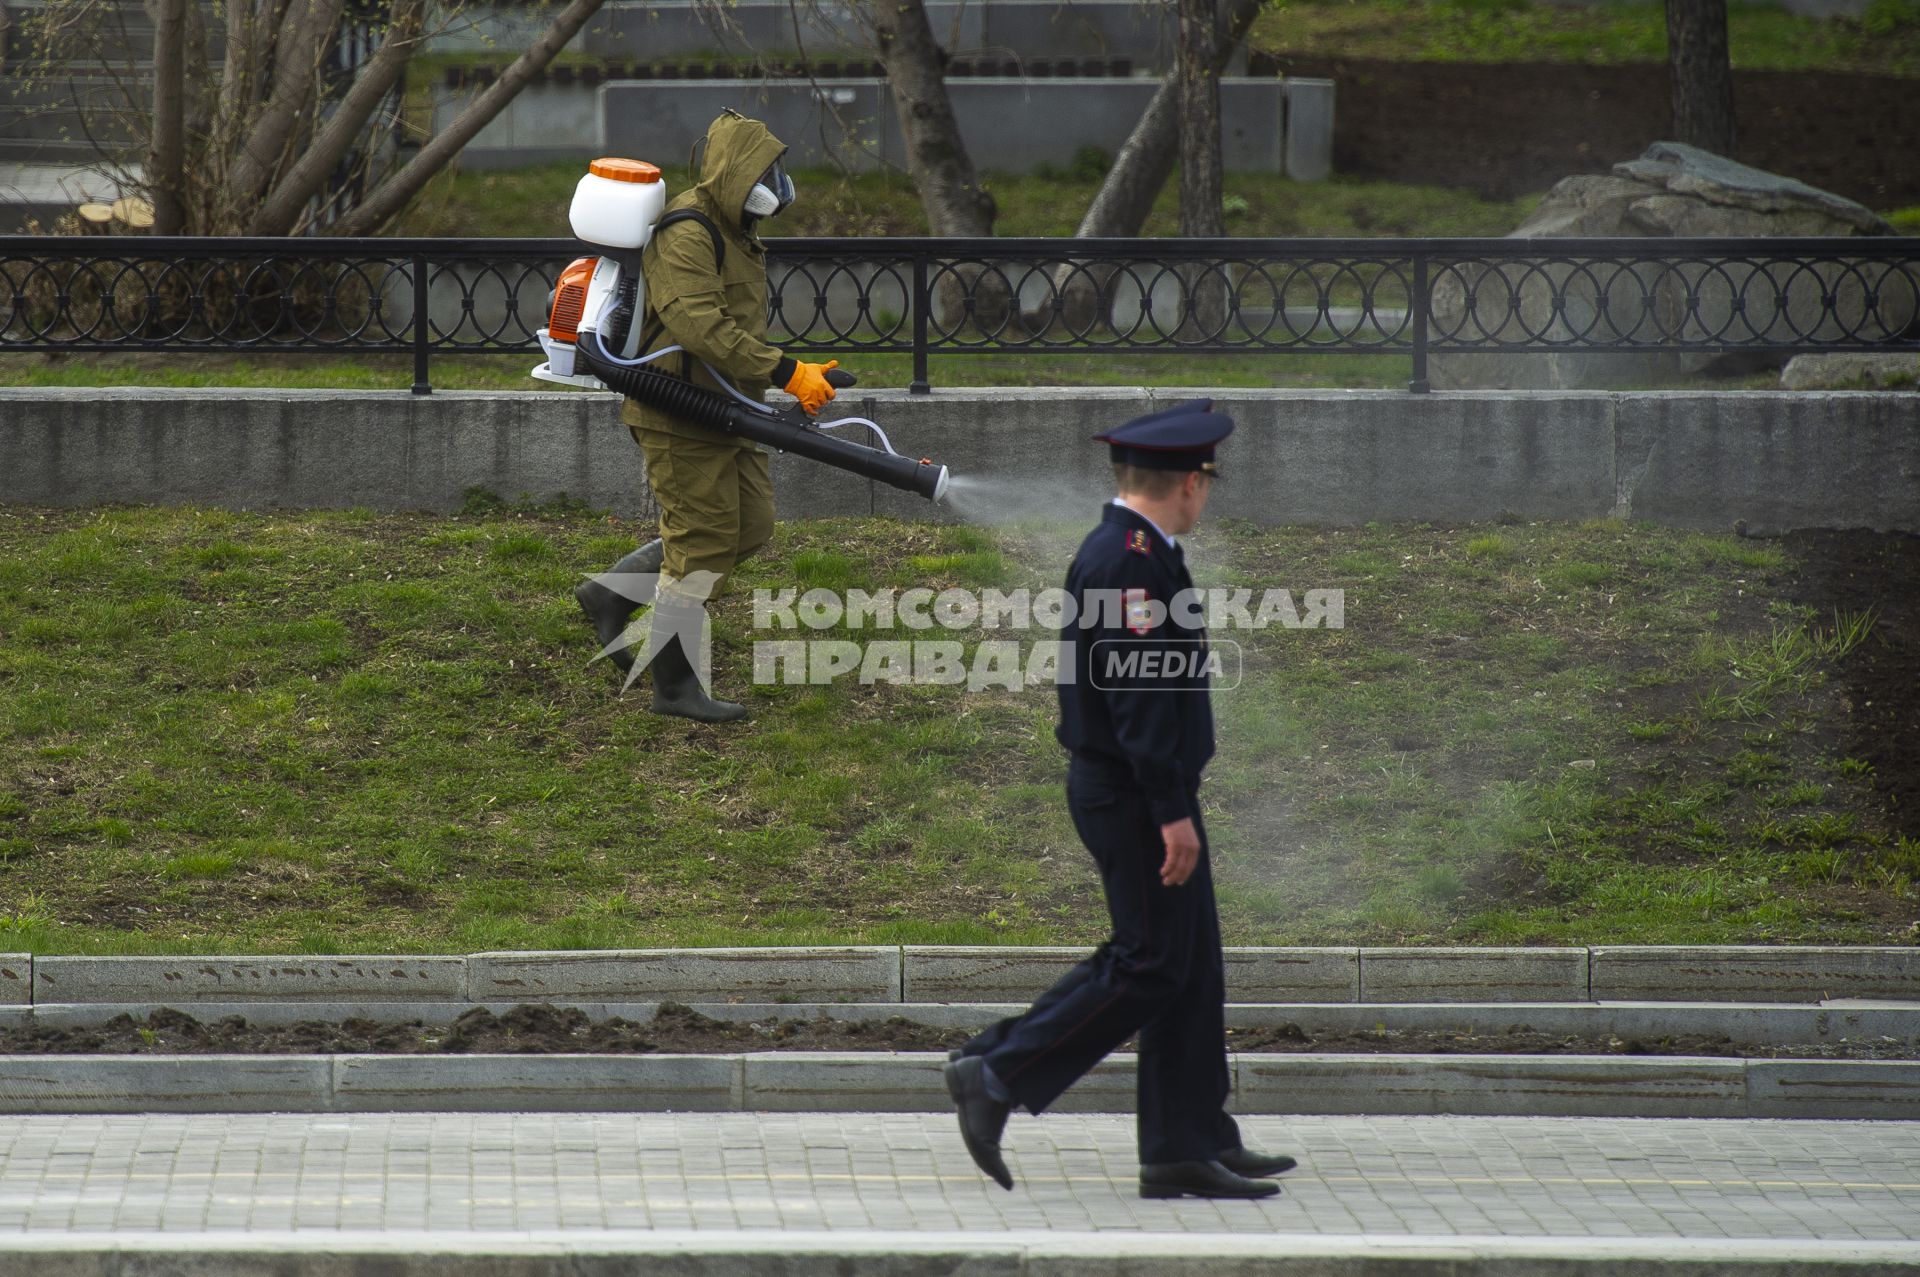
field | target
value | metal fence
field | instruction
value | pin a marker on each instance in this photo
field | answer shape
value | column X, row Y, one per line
column 920, row 297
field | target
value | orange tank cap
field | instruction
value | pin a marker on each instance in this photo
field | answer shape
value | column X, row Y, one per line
column 618, row 170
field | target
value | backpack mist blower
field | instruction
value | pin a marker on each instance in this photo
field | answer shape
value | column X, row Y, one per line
column 593, row 335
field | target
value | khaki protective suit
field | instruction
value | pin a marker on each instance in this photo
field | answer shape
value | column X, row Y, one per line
column 715, row 498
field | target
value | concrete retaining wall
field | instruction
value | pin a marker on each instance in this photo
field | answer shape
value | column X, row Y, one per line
column 655, row 30
column 1773, row 462
column 894, row 974
column 853, row 122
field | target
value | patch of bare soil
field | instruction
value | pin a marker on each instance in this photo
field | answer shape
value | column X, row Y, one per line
column 1851, row 572
column 534, row 1029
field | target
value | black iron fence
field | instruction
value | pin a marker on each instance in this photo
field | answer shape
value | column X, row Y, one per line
column 920, row 297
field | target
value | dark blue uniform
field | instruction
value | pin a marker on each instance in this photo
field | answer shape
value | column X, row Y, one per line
column 1118, row 711
column 1139, row 737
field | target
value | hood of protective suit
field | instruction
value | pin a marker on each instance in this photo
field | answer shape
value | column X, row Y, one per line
column 736, row 152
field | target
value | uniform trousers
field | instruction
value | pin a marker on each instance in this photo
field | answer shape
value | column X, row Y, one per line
column 715, row 499
column 1161, row 974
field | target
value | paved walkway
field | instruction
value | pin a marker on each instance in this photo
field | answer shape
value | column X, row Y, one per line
column 467, row 1174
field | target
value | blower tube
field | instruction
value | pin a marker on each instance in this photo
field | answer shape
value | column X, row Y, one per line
column 776, row 431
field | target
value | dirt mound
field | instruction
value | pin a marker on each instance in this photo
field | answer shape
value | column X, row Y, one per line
column 536, row 1029
column 530, row 1028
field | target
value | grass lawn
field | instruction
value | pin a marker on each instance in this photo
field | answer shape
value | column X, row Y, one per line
column 1885, row 39
column 509, row 372
column 340, row 732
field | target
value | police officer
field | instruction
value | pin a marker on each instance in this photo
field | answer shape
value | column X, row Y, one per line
column 1134, row 713
column 706, row 276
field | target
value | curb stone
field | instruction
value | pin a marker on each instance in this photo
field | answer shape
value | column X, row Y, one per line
column 916, row 973
column 1032, row 1253
column 1514, row 1085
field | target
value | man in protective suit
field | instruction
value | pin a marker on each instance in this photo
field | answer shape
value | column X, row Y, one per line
column 706, row 276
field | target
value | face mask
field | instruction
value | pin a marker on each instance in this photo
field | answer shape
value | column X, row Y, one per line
column 771, row 194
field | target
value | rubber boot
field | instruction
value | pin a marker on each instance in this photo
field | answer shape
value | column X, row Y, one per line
column 676, row 687
column 610, row 610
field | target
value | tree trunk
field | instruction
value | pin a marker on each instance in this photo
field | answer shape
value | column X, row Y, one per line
column 298, row 48
column 1125, row 199
column 1702, row 74
column 281, row 209
column 937, row 158
column 167, row 153
column 1200, row 193
column 385, row 201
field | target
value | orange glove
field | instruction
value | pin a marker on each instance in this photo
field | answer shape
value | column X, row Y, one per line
column 809, row 385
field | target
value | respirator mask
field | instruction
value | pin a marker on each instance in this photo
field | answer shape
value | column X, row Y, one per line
column 772, row 193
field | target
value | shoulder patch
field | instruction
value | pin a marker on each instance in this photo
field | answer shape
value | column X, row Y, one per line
column 1137, row 541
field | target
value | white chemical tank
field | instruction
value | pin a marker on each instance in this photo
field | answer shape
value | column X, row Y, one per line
column 617, row 203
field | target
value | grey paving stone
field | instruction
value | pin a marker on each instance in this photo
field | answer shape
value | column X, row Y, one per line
column 180, row 981
column 1754, row 973
column 853, row 974
column 1473, row 975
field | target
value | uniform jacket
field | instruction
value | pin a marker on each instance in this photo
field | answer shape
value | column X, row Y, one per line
column 1156, row 726
column 720, row 317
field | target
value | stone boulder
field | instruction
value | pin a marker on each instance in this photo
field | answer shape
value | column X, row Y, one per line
column 1852, row 371
column 1672, row 191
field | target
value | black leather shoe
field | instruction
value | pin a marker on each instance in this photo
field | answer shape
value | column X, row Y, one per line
column 1244, row 1161
column 1199, row 1179
column 982, row 1117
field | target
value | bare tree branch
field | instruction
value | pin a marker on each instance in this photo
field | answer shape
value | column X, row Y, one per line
column 299, row 46
column 281, row 208
column 387, row 199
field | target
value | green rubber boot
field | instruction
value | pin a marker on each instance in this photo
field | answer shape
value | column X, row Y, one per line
column 676, row 687
column 609, row 610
